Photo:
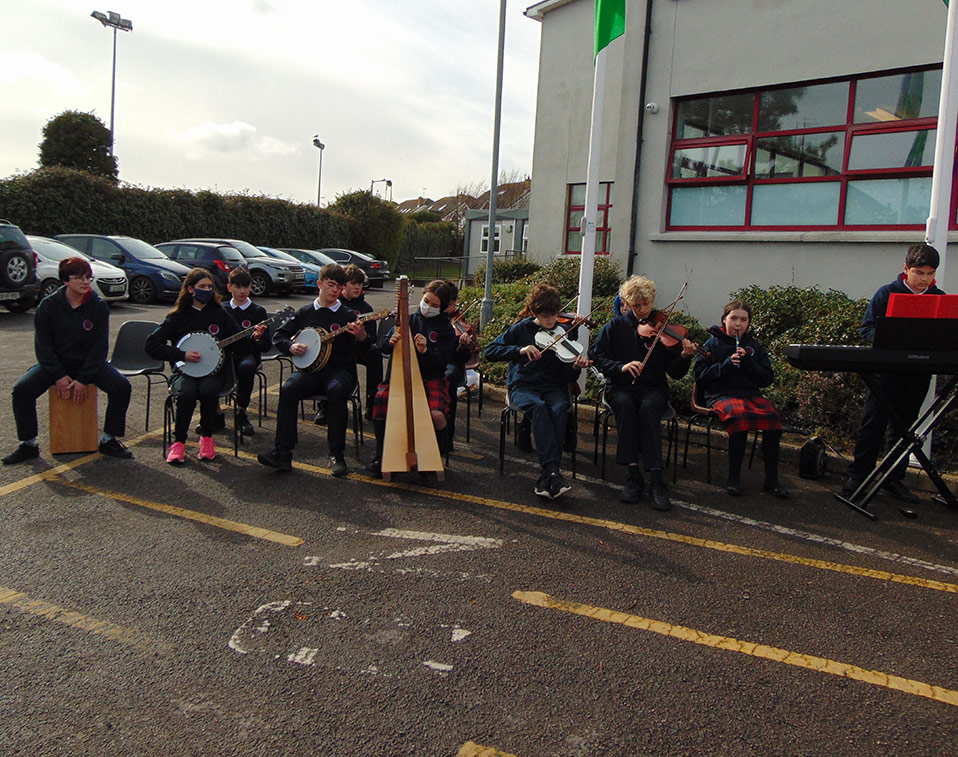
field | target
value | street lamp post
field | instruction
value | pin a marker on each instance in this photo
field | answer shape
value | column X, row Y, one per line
column 319, row 182
column 388, row 183
column 113, row 21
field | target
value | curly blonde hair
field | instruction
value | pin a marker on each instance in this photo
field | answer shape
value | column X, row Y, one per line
column 636, row 289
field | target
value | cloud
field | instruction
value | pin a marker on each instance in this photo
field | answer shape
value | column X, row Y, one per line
column 236, row 138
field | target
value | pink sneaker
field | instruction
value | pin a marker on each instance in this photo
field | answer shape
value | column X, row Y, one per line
column 207, row 448
column 176, row 454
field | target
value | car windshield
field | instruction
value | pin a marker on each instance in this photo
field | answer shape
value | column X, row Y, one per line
column 280, row 255
column 248, row 250
column 140, row 249
column 53, row 250
column 231, row 254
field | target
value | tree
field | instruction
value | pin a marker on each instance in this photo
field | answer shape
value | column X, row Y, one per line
column 375, row 224
column 78, row 140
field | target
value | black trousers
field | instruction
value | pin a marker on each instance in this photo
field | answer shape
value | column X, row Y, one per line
column 337, row 385
column 36, row 381
column 638, row 422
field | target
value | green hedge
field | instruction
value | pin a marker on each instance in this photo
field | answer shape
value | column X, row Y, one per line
column 424, row 240
column 62, row 200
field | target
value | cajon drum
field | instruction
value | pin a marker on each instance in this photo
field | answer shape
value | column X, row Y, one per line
column 73, row 427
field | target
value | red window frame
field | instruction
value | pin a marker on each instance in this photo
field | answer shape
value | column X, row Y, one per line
column 602, row 229
column 749, row 180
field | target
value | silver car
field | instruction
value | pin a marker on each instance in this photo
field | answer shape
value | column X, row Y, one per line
column 109, row 281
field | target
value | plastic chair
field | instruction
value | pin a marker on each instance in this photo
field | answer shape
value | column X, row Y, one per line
column 226, row 394
column 703, row 414
column 130, row 358
column 604, row 415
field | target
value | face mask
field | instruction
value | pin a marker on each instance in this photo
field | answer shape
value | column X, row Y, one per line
column 202, row 296
column 427, row 310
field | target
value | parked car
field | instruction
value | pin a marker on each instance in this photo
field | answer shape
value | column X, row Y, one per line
column 218, row 259
column 18, row 269
column 109, row 281
column 268, row 274
column 152, row 275
column 310, row 270
column 377, row 271
column 308, row 256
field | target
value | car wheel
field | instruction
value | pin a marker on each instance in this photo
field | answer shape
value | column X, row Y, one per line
column 261, row 284
column 49, row 287
column 142, row 290
column 14, row 269
column 18, row 306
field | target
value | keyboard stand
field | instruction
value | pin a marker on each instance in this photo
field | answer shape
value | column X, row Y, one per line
column 909, row 443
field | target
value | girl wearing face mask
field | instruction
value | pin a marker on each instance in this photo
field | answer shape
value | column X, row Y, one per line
column 197, row 309
column 435, row 341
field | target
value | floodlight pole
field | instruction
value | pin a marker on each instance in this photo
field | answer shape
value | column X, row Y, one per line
column 113, row 21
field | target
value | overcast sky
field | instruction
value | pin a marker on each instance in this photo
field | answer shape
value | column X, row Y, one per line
column 226, row 95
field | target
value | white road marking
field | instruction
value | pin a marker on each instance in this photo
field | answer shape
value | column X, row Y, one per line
column 818, row 539
column 440, row 667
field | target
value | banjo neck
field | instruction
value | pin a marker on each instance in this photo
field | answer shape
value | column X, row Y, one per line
column 376, row 315
column 224, row 343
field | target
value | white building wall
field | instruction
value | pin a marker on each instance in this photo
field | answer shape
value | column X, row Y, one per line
column 702, row 46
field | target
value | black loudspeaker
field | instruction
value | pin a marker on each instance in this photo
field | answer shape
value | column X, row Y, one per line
column 813, row 459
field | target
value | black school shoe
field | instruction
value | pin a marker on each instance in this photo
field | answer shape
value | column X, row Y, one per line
column 280, row 459
column 776, row 490
column 22, row 453
column 897, row 490
column 114, row 448
column 557, row 485
column 659, row 494
column 337, row 466
column 320, row 418
column 633, row 490
column 542, row 486
column 245, row 427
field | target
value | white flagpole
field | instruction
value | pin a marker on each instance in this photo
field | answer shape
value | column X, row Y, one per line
column 589, row 221
column 936, row 229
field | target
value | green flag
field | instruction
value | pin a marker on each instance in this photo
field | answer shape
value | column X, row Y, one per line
column 609, row 22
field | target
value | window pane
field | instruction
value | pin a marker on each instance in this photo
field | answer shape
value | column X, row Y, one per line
column 573, row 242
column 888, row 201
column 574, row 220
column 577, row 194
column 799, row 155
column 803, row 107
column 805, row 204
column 710, row 161
column 708, row 206
column 714, row 116
column 897, row 149
column 891, row 98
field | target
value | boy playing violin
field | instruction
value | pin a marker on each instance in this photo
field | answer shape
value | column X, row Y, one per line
column 538, row 382
column 639, row 389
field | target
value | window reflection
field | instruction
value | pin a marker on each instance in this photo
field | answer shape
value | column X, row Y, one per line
column 803, row 107
column 897, row 149
column 892, row 98
column 709, row 162
column 715, row 116
column 799, row 155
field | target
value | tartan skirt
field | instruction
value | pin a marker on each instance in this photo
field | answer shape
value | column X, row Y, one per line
column 748, row 414
column 437, row 395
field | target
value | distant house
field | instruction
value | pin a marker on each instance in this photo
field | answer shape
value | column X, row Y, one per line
column 768, row 143
column 511, row 233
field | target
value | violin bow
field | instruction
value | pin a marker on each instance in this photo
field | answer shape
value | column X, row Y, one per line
column 576, row 322
column 463, row 311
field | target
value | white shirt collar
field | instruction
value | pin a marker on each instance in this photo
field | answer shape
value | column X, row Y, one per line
column 334, row 307
column 240, row 307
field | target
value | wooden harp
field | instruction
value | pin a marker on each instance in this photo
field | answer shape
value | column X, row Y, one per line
column 410, row 439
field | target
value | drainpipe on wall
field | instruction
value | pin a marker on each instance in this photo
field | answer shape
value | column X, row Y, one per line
column 633, row 224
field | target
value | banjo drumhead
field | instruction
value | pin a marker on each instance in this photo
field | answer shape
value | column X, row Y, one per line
column 211, row 356
column 316, row 351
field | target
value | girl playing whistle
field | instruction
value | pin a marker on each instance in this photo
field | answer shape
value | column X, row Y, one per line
column 538, row 382
column 637, row 369
column 732, row 374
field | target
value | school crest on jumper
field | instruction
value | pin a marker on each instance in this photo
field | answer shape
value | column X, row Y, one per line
column 433, row 336
column 88, row 325
column 214, row 329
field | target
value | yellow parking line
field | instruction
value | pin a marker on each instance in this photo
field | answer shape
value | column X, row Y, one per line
column 54, row 472
column 810, row 662
column 471, row 749
column 22, row 602
column 210, row 520
column 611, row 525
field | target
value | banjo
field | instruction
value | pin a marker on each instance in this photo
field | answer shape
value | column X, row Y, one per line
column 319, row 342
column 211, row 349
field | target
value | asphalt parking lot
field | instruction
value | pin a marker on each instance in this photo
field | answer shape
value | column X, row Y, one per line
column 223, row 608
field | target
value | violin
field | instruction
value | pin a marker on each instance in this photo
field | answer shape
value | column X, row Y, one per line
column 670, row 334
column 556, row 339
column 461, row 327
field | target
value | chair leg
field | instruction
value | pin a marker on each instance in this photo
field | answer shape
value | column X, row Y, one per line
column 503, row 425
column 754, row 445
column 168, row 419
column 468, row 413
column 708, row 452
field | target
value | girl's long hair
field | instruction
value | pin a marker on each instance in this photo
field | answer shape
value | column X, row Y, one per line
column 185, row 300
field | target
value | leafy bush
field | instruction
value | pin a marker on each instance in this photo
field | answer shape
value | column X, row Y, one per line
column 506, row 270
column 424, row 240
